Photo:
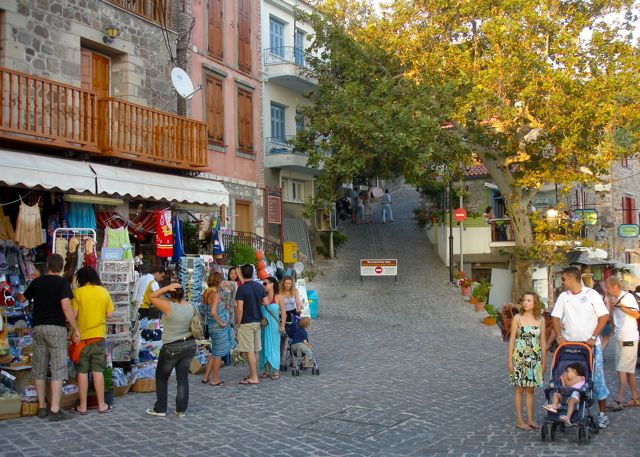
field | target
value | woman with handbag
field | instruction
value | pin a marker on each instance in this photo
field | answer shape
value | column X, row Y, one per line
column 273, row 311
column 178, row 347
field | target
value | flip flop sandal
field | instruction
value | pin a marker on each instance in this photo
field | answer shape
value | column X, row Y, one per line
column 203, row 381
column 566, row 421
column 218, row 384
column 108, row 410
column 550, row 408
column 244, row 382
column 632, row 403
column 275, row 376
column 264, row 376
column 74, row 410
column 534, row 426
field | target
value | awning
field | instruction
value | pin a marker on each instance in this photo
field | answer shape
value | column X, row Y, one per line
column 146, row 184
column 32, row 170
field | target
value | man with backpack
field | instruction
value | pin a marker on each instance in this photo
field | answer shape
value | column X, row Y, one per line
column 625, row 313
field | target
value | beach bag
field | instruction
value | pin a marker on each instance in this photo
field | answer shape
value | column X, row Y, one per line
column 196, row 325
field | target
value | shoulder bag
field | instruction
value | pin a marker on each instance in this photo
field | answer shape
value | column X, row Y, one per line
column 196, row 324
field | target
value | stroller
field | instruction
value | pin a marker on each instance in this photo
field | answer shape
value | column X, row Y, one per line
column 290, row 358
column 585, row 423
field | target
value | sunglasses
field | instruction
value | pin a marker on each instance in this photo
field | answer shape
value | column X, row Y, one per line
column 266, row 283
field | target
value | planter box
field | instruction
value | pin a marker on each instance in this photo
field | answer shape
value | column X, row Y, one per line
column 10, row 407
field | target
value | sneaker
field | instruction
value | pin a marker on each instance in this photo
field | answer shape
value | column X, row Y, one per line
column 58, row 416
column 43, row 412
column 153, row 412
column 603, row 421
column 181, row 414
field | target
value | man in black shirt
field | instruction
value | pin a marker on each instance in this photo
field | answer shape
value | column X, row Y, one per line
column 248, row 315
column 51, row 296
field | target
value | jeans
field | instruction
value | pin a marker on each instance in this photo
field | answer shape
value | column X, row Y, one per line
column 178, row 355
column 386, row 212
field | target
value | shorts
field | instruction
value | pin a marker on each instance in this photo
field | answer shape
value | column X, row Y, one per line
column 626, row 357
column 49, row 350
column 249, row 337
column 92, row 358
column 575, row 395
column 600, row 391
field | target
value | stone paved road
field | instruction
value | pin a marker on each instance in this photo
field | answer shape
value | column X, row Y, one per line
column 405, row 370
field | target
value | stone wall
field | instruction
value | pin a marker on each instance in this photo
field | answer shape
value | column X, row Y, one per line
column 44, row 38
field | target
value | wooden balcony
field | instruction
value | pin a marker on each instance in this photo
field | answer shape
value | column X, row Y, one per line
column 158, row 11
column 46, row 113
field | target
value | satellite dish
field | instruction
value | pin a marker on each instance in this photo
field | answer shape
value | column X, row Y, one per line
column 298, row 267
column 182, row 83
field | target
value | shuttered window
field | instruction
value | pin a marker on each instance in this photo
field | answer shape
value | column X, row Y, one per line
column 245, row 121
column 244, row 35
column 628, row 210
column 215, row 110
column 215, row 29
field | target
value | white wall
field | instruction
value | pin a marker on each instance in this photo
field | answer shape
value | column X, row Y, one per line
column 475, row 240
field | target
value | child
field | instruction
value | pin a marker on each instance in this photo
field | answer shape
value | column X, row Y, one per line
column 300, row 342
column 573, row 376
column 526, row 358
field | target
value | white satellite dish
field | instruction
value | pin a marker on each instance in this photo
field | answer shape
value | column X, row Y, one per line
column 298, row 267
column 182, row 83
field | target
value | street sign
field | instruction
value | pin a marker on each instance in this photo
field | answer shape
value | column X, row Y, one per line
column 460, row 214
column 378, row 267
column 628, row 230
column 588, row 216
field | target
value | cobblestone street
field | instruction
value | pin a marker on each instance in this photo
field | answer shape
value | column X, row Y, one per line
column 406, row 369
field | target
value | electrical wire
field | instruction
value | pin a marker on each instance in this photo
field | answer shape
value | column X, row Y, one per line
column 16, row 201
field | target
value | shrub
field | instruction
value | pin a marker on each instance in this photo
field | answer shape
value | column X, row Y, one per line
column 339, row 239
column 239, row 254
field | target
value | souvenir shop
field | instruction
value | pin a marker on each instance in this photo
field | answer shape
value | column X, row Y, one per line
column 120, row 223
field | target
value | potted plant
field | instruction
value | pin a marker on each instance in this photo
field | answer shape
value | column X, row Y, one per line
column 108, row 385
column 492, row 314
column 481, row 294
column 465, row 286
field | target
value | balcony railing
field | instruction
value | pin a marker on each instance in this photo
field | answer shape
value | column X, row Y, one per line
column 143, row 134
column 501, row 229
column 154, row 10
column 281, row 146
column 256, row 242
column 285, row 54
column 37, row 110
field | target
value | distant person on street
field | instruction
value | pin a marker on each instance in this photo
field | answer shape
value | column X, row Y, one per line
column 584, row 315
column 366, row 206
column 606, row 332
column 625, row 315
column 526, row 358
column 353, row 197
column 51, row 296
column 359, row 209
column 387, row 213
column 248, row 316
column 488, row 214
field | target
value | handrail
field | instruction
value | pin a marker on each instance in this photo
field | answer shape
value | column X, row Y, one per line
column 501, row 229
column 274, row 145
column 37, row 108
column 284, row 55
column 256, row 242
column 148, row 9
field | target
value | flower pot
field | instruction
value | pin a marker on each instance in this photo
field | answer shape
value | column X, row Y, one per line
column 466, row 290
column 479, row 306
column 473, row 300
column 489, row 320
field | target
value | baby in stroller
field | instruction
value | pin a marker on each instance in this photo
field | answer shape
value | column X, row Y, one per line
column 573, row 376
column 299, row 346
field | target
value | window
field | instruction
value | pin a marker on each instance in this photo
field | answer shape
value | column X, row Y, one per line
column 277, row 123
column 244, row 35
column 215, row 29
column 581, row 198
column 628, row 210
column 293, row 191
column 215, row 110
column 299, row 122
column 298, row 51
column 627, row 257
column 625, row 162
column 276, row 37
column 245, row 121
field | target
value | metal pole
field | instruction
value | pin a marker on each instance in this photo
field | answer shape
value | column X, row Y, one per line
column 461, row 228
column 451, row 232
column 331, row 244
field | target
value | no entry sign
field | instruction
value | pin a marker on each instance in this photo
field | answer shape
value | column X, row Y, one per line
column 460, row 214
column 378, row 267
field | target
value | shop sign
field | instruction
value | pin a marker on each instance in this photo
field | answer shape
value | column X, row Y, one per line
column 588, row 216
column 378, row 267
column 628, row 230
column 274, row 213
column 111, row 254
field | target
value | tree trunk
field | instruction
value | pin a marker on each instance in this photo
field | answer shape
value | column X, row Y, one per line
column 523, row 234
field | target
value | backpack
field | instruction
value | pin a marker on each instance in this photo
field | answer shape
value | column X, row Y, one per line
column 637, row 297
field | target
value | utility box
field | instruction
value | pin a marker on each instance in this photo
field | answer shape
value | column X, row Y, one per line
column 312, row 296
column 290, row 252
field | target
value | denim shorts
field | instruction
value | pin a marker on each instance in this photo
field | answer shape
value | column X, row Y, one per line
column 600, row 391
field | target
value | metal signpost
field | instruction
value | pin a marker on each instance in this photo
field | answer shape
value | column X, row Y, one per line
column 460, row 215
column 379, row 267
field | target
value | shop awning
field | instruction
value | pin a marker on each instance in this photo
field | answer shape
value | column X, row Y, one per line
column 146, row 184
column 32, row 170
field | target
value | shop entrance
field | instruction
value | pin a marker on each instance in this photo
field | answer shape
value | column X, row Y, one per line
column 94, row 70
column 243, row 216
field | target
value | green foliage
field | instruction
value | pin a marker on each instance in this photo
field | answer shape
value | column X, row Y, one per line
column 108, row 378
column 239, row 254
column 271, row 258
column 339, row 239
column 481, row 291
column 491, row 310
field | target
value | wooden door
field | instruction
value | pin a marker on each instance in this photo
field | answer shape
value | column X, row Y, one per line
column 243, row 217
column 94, row 72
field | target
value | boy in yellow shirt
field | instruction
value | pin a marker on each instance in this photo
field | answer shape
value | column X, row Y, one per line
column 93, row 306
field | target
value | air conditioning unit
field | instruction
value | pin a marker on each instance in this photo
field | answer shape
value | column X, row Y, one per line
column 602, row 187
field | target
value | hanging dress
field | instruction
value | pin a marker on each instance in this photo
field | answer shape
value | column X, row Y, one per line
column 119, row 238
column 527, row 357
column 29, row 226
column 90, row 258
column 81, row 215
column 270, row 337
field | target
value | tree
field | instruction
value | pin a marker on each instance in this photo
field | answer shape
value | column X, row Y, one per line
column 538, row 91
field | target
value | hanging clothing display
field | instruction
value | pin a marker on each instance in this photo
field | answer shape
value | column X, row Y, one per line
column 6, row 228
column 164, row 234
column 29, row 226
column 90, row 257
column 178, row 249
column 71, row 260
column 81, row 215
column 118, row 238
column 218, row 247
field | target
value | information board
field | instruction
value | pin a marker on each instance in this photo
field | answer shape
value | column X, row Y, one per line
column 378, row 267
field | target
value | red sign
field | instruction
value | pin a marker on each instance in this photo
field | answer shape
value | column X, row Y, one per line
column 460, row 214
column 378, row 270
column 274, row 213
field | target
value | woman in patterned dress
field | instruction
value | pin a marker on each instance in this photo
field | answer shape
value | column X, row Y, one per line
column 526, row 359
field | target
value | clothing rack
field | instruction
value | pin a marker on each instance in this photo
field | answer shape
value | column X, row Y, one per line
column 67, row 233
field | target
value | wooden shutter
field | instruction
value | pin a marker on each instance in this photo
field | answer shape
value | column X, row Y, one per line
column 215, row 29
column 215, row 110
column 244, row 35
column 628, row 210
column 85, row 69
column 245, row 122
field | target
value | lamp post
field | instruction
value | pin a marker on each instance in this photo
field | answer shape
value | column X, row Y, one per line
column 451, row 279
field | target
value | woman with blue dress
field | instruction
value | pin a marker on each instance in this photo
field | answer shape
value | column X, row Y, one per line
column 274, row 312
column 220, row 332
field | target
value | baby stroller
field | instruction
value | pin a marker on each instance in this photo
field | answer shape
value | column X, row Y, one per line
column 290, row 358
column 585, row 423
